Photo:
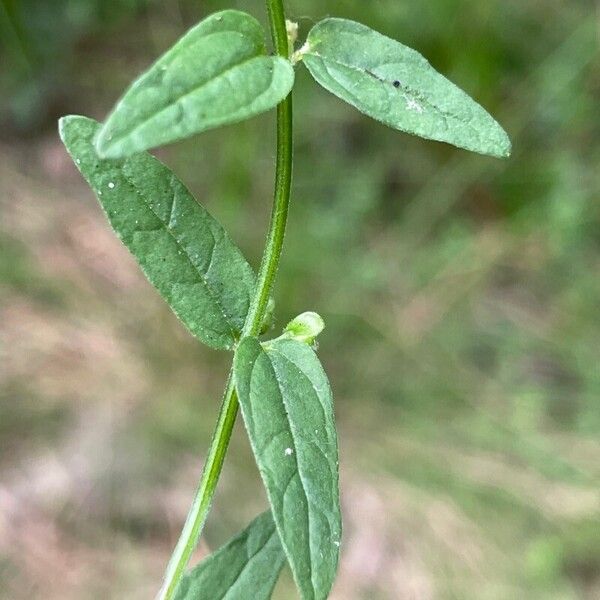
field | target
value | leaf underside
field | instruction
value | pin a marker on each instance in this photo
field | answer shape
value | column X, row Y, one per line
column 183, row 251
column 248, row 566
column 218, row 73
column 396, row 85
column 287, row 406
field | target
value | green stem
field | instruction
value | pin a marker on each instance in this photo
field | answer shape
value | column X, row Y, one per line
column 252, row 326
column 283, row 183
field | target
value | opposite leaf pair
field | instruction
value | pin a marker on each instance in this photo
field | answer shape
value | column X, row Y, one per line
column 219, row 73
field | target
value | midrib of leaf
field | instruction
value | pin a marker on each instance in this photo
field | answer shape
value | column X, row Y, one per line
column 202, row 276
column 196, row 89
column 323, row 409
column 247, row 565
column 309, row 380
column 297, row 472
column 414, row 95
column 410, row 92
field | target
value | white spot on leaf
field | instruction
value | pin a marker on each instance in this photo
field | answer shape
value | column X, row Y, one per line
column 413, row 105
column 289, row 452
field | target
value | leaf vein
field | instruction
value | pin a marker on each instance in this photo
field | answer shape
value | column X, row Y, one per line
column 202, row 277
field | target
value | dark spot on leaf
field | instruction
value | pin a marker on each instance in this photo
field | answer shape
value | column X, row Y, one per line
column 373, row 75
column 397, row 84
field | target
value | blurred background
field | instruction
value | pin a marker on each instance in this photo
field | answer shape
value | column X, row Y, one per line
column 461, row 296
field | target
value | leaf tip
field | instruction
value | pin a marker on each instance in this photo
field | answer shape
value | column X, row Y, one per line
column 507, row 148
column 63, row 125
column 504, row 144
column 498, row 144
column 71, row 127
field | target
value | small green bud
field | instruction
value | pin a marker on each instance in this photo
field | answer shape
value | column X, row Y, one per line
column 304, row 328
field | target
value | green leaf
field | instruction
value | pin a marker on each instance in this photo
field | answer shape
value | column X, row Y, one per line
column 395, row 85
column 288, row 411
column 246, row 567
column 183, row 251
column 218, row 73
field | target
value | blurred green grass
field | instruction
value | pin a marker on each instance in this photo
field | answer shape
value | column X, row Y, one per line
column 460, row 295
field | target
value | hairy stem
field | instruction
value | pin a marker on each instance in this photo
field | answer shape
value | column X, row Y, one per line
column 266, row 276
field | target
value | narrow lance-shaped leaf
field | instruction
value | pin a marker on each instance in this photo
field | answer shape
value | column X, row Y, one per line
column 183, row 251
column 246, row 567
column 395, row 85
column 287, row 406
column 217, row 73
